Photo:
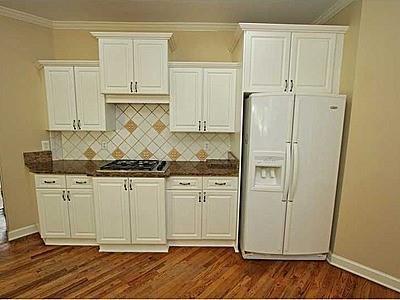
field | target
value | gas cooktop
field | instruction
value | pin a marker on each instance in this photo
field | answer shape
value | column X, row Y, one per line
column 135, row 166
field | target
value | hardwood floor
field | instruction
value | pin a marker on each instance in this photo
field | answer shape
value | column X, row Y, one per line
column 28, row 269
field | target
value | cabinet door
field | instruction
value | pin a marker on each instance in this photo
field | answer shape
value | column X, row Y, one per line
column 151, row 66
column 60, row 89
column 53, row 213
column 184, row 214
column 312, row 62
column 111, row 200
column 219, row 215
column 81, row 214
column 116, row 66
column 186, row 99
column 147, row 196
column 219, row 100
column 90, row 102
column 266, row 61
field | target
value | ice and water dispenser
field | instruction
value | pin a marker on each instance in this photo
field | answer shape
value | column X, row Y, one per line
column 269, row 170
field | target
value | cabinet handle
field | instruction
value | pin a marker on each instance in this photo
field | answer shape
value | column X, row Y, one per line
column 204, row 197
column 74, row 125
column 131, row 87
column 130, row 185
column 199, row 125
column 49, row 181
column 135, row 86
column 184, row 183
column 79, row 124
column 286, row 84
column 291, row 85
column 220, row 183
column 63, row 195
column 80, row 182
column 205, row 125
column 68, row 196
column 199, row 197
column 125, row 185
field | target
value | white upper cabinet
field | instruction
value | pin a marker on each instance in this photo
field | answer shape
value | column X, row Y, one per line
column 151, row 66
column 266, row 61
column 186, row 99
column 219, row 100
column 74, row 101
column 203, row 97
column 60, row 90
column 116, row 65
column 133, row 62
column 292, row 58
column 312, row 62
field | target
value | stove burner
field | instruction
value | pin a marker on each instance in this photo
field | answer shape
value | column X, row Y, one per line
column 134, row 165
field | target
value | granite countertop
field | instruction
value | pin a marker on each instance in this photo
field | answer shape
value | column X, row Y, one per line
column 41, row 163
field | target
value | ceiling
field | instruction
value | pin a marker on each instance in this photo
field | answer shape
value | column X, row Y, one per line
column 219, row 11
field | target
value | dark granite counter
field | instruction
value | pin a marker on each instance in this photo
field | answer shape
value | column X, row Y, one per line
column 41, row 163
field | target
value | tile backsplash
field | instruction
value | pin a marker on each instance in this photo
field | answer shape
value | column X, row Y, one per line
column 142, row 132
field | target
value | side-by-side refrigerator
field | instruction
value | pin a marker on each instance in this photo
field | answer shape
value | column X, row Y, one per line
column 291, row 152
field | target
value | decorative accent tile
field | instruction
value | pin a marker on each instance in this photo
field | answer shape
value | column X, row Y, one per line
column 174, row 154
column 142, row 132
column 130, row 126
column 146, row 154
column 118, row 153
column 89, row 153
column 202, row 155
column 159, row 126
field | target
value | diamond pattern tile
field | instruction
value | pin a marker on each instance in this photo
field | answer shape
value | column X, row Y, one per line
column 142, row 132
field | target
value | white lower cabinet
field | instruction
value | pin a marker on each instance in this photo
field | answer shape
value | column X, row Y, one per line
column 184, row 214
column 130, row 210
column 202, row 214
column 147, row 200
column 219, row 215
column 64, row 212
column 53, row 213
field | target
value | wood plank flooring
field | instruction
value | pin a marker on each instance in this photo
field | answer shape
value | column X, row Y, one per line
column 28, row 269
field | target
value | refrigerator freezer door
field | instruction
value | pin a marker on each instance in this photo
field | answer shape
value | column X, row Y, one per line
column 269, row 124
column 317, row 136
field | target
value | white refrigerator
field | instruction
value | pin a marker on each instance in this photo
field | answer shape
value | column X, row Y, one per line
column 291, row 152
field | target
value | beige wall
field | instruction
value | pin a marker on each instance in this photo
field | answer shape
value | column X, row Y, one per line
column 23, row 113
column 368, row 227
column 190, row 46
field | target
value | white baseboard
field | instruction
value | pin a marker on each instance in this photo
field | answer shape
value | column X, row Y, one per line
column 364, row 271
column 21, row 232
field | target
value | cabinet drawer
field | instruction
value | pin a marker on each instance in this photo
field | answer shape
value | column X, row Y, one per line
column 50, row 181
column 220, row 183
column 187, row 183
column 79, row 182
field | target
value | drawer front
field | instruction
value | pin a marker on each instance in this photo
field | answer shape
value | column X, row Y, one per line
column 50, row 181
column 184, row 183
column 79, row 182
column 220, row 183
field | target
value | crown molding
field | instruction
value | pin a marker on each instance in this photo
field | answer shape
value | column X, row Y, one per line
column 144, row 26
column 292, row 27
column 62, row 63
column 206, row 64
column 25, row 17
column 332, row 11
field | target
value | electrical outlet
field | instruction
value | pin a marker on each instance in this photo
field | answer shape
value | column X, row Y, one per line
column 45, row 145
column 104, row 145
column 206, row 146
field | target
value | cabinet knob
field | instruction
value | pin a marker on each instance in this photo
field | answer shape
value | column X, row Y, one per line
column 291, row 85
column 199, row 125
column 79, row 124
column 74, row 125
column 204, row 197
column 205, row 125
column 135, row 86
column 125, row 185
column 130, row 185
column 68, row 196
column 131, row 87
column 184, row 183
column 200, row 197
column 63, row 195
column 286, row 85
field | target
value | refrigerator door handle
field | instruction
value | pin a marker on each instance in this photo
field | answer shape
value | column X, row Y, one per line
column 287, row 172
column 293, row 184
